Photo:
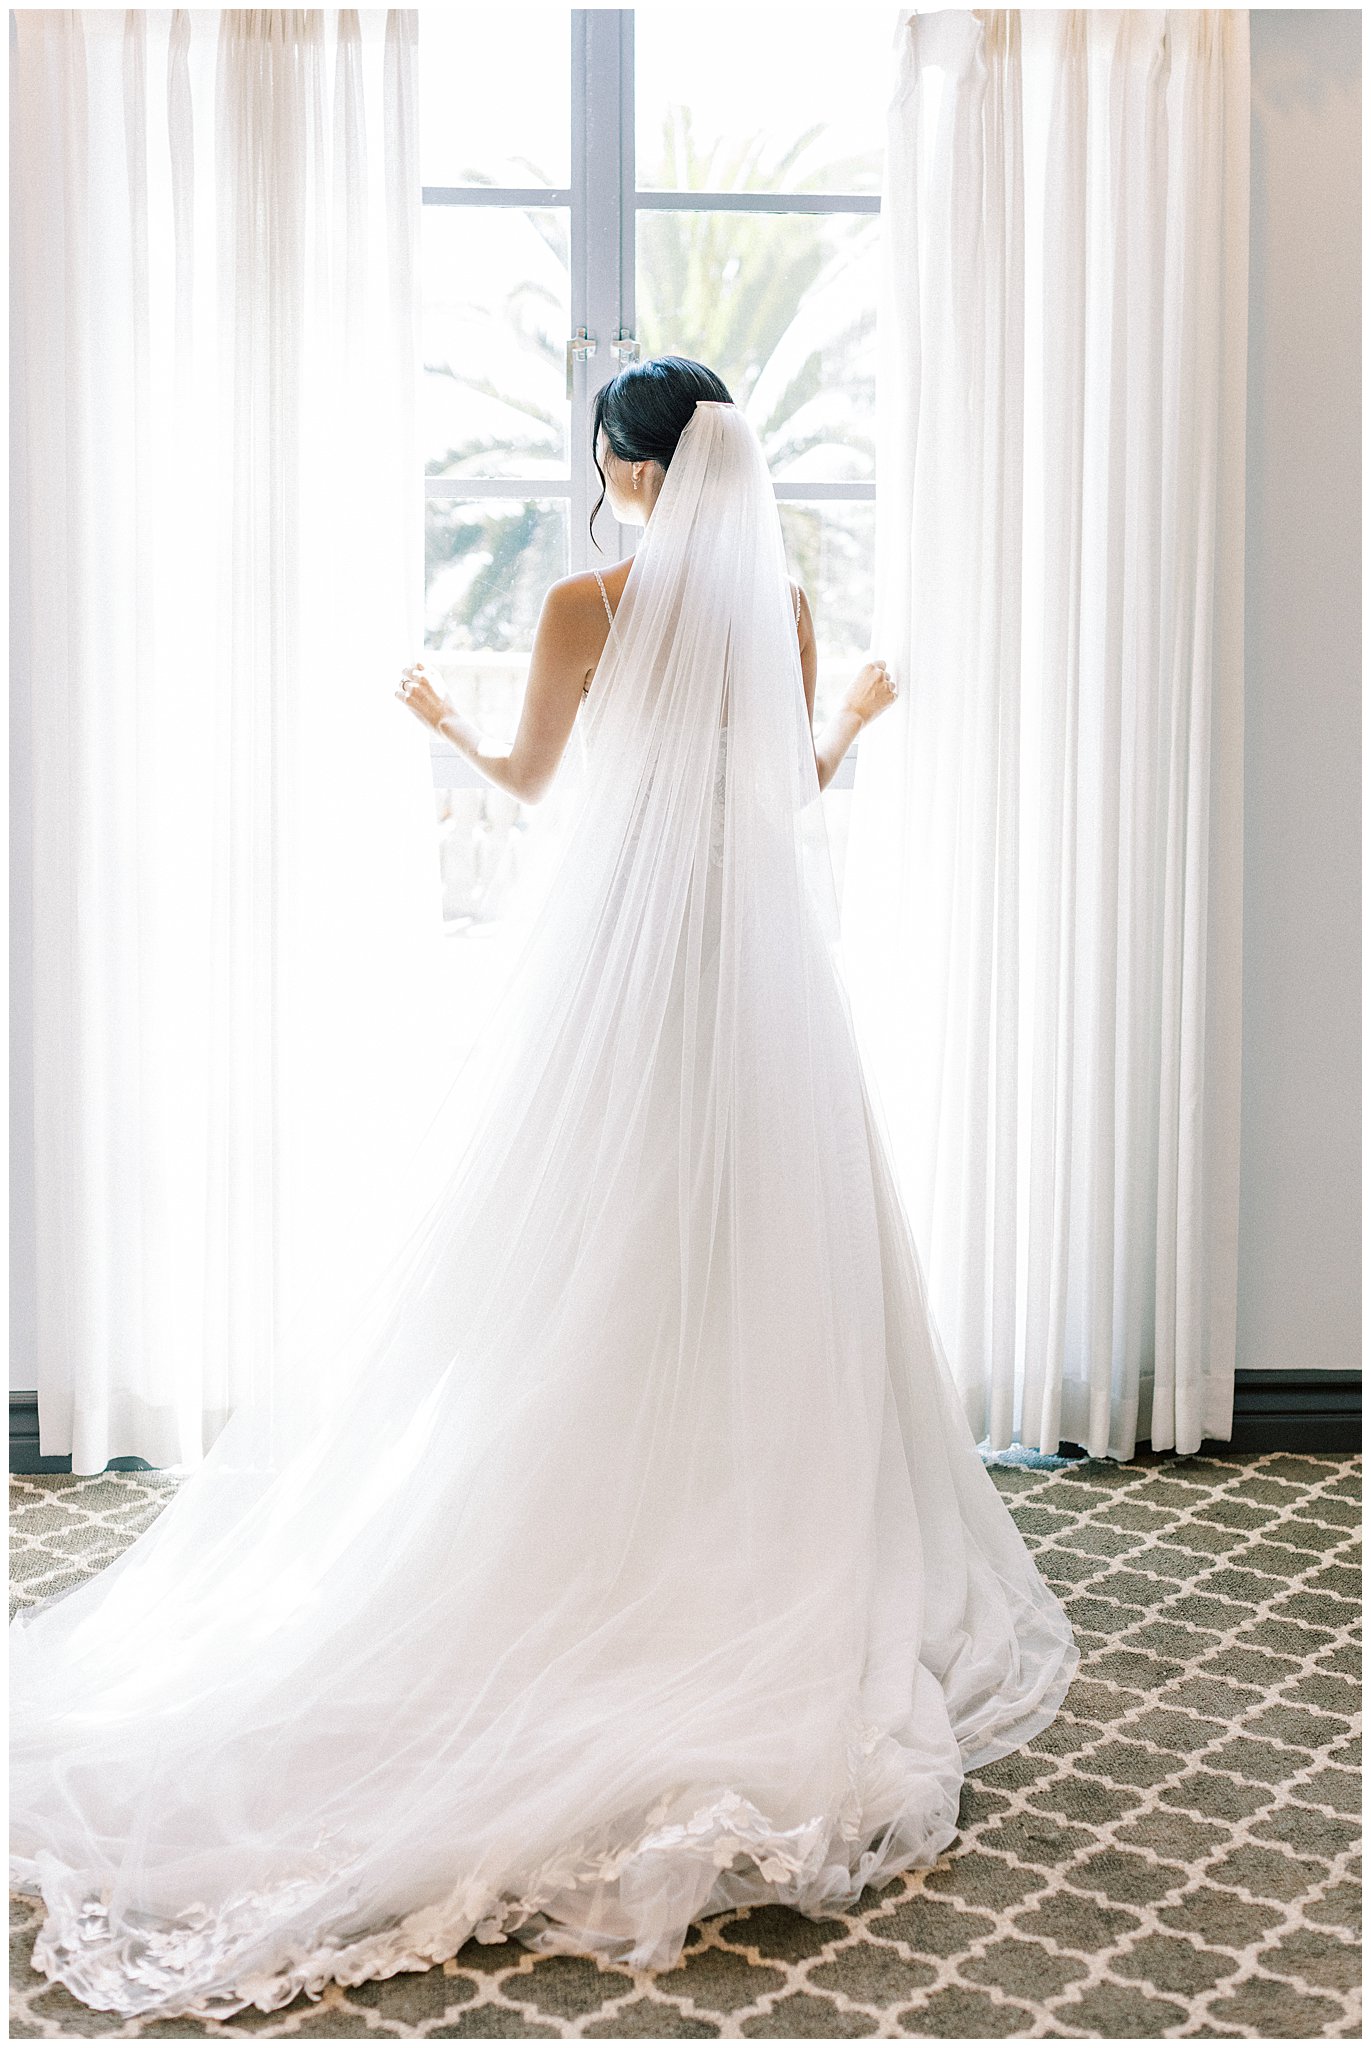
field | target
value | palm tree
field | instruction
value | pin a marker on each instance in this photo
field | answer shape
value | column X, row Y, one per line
column 756, row 296
column 760, row 297
column 768, row 301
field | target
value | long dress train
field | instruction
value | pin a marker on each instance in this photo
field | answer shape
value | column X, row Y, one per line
column 643, row 1563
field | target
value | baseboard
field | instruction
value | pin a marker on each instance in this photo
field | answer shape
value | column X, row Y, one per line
column 1272, row 1411
column 1295, row 1411
column 24, row 1452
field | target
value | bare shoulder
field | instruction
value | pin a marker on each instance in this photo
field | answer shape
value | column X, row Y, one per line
column 583, row 586
column 578, row 597
column 801, row 605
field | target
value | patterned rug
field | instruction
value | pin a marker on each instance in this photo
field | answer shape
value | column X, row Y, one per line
column 1175, row 1856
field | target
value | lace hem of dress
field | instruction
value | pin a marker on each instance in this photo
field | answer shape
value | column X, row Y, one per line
column 725, row 1853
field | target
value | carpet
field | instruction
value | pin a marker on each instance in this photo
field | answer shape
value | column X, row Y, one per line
column 1177, row 1855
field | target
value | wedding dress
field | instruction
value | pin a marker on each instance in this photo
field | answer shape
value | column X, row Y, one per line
column 642, row 1564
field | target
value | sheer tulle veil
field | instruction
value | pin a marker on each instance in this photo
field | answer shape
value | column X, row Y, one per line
column 639, row 1561
column 691, row 836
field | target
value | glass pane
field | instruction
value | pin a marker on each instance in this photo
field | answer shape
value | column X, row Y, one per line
column 783, row 306
column 495, row 321
column 830, row 549
column 494, row 96
column 485, row 840
column 488, row 565
column 480, row 842
column 756, row 99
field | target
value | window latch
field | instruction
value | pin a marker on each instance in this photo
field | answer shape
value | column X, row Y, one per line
column 625, row 349
column 579, row 348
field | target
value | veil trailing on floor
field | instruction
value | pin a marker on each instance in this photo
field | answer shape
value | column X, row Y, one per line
column 644, row 1564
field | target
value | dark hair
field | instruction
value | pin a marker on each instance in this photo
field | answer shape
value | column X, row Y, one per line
column 645, row 410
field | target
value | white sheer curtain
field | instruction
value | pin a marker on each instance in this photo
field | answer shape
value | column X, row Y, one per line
column 217, row 501
column 1042, row 897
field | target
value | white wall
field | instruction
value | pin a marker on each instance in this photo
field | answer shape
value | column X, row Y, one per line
column 1299, row 1228
column 21, row 1251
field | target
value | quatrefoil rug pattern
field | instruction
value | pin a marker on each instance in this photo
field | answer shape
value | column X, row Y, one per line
column 1176, row 1856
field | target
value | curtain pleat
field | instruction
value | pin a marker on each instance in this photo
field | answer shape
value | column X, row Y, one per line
column 229, row 822
column 1042, row 912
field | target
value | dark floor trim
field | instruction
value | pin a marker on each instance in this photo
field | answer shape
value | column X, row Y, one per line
column 1272, row 1411
column 24, row 1454
column 1295, row 1411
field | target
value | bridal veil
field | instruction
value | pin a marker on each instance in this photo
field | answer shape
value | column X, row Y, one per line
column 644, row 1564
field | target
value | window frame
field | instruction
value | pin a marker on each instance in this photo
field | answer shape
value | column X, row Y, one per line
column 603, row 202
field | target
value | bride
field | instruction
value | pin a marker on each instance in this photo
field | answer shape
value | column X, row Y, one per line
column 642, row 1564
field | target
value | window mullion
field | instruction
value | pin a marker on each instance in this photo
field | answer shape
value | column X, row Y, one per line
column 627, row 313
column 581, row 58
column 602, row 48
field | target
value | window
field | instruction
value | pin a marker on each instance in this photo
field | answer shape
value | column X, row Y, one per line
column 599, row 185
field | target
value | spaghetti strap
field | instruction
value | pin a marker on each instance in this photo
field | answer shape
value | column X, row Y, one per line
column 797, row 604
column 609, row 614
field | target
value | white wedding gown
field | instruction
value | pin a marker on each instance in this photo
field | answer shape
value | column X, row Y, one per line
column 643, row 1563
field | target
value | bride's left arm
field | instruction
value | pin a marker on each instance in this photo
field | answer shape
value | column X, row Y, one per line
column 564, row 654
column 866, row 696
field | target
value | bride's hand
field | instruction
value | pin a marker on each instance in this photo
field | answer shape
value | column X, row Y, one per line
column 870, row 692
column 417, row 690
